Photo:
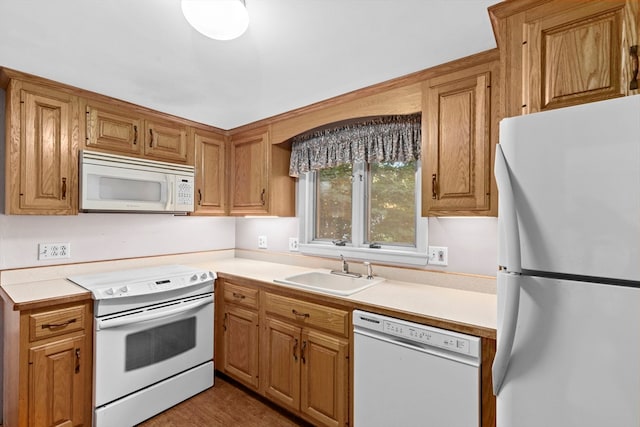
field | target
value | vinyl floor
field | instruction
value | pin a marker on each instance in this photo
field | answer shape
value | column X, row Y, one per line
column 226, row 404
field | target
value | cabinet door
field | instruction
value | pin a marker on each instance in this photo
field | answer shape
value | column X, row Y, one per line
column 210, row 173
column 456, row 171
column 575, row 56
column 111, row 129
column 165, row 141
column 282, row 363
column 43, row 129
column 241, row 345
column 57, row 395
column 324, row 381
column 249, row 179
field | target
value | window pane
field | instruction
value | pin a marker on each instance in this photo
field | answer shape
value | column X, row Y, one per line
column 333, row 203
column 392, row 203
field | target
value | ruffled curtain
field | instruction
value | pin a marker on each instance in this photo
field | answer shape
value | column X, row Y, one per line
column 383, row 139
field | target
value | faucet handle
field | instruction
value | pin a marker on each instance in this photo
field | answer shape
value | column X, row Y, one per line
column 369, row 270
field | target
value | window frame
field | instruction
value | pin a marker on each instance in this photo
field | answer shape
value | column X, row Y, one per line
column 404, row 255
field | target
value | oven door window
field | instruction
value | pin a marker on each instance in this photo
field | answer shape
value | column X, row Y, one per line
column 162, row 342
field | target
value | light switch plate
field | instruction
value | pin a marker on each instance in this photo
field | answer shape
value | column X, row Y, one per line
column 438, row 255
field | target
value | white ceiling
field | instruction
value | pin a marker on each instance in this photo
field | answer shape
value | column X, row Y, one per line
column 295, row 52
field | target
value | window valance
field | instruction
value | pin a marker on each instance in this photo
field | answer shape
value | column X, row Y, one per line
column 381, row 139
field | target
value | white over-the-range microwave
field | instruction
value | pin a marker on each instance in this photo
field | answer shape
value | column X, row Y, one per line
column 113, row 183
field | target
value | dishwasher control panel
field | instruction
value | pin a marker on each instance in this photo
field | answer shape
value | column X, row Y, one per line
column 426, row 336
column 417, row 333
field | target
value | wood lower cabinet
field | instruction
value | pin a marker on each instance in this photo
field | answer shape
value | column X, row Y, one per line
column 240, row 323
column 460, row 121
column 557, row 53
column 260, row 183
column 41, row 150
column 211, row 172
column 306, row 368
column 48, row 365
column 294, row 352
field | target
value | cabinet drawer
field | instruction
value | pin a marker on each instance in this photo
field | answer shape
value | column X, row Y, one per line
column 308, row 313
column 56, row 322
column 247, row 297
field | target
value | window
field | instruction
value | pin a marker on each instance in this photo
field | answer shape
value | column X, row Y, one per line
column 359, row 190
column 366, row 211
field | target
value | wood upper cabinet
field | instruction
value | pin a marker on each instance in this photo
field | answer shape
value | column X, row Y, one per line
column 112, row 129
column 48, row 365
column 458, row 139
column 559, row 53
column 120, row 130
column 41, row 150
column 165, row 140
column 211, row 172
column 260, row 183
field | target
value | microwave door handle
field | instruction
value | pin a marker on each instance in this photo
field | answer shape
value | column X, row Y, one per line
column 152, row 315
column 170, row 184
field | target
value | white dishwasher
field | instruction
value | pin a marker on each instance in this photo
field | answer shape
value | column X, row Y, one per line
column 407, row 374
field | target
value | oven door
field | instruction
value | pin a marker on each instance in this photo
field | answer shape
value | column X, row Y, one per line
column 141, row 347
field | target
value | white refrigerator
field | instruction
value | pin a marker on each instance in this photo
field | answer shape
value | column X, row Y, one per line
column 569, row 256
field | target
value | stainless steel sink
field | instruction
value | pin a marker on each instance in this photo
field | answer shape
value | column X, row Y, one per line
column 325, row 281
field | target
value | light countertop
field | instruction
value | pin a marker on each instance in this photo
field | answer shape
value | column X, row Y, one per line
column 431, row 295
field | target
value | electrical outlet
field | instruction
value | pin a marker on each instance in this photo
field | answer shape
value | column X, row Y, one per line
column 262, row 242
column 54, row 250
column 438, row 255
column 293, row 244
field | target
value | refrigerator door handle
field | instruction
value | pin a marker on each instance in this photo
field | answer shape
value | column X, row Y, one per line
column 507, row 328
column 508, row 214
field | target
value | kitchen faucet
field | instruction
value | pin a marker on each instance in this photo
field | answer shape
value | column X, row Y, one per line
column 344, row 270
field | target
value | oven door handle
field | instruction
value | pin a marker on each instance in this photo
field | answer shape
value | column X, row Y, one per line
column 145, row 316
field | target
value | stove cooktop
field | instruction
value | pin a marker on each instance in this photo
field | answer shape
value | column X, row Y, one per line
column 142, row 281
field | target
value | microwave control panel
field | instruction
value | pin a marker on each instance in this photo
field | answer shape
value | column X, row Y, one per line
column 184, row 192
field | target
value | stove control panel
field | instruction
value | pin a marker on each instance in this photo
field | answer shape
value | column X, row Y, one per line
column 128, row 283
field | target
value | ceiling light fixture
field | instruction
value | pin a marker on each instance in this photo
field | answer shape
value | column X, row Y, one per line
column 217, row 19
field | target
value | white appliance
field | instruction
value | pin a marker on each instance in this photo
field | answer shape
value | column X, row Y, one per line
column 569, row 254
column 153, row 340
column 412, row 375
column 112, row 183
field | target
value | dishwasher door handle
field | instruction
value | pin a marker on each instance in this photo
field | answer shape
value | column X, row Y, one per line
column 432, row 350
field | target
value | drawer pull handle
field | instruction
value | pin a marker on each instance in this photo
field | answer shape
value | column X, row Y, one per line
column 151, row 138
column 64, row 188
column 297, row 313
column 304, row 345
column 58, row 325
column 238, row 296
column 434, row 186
column 77, row 360
column 224, row 322
column 135, row 134
column 295, row 349
column 262, row 198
